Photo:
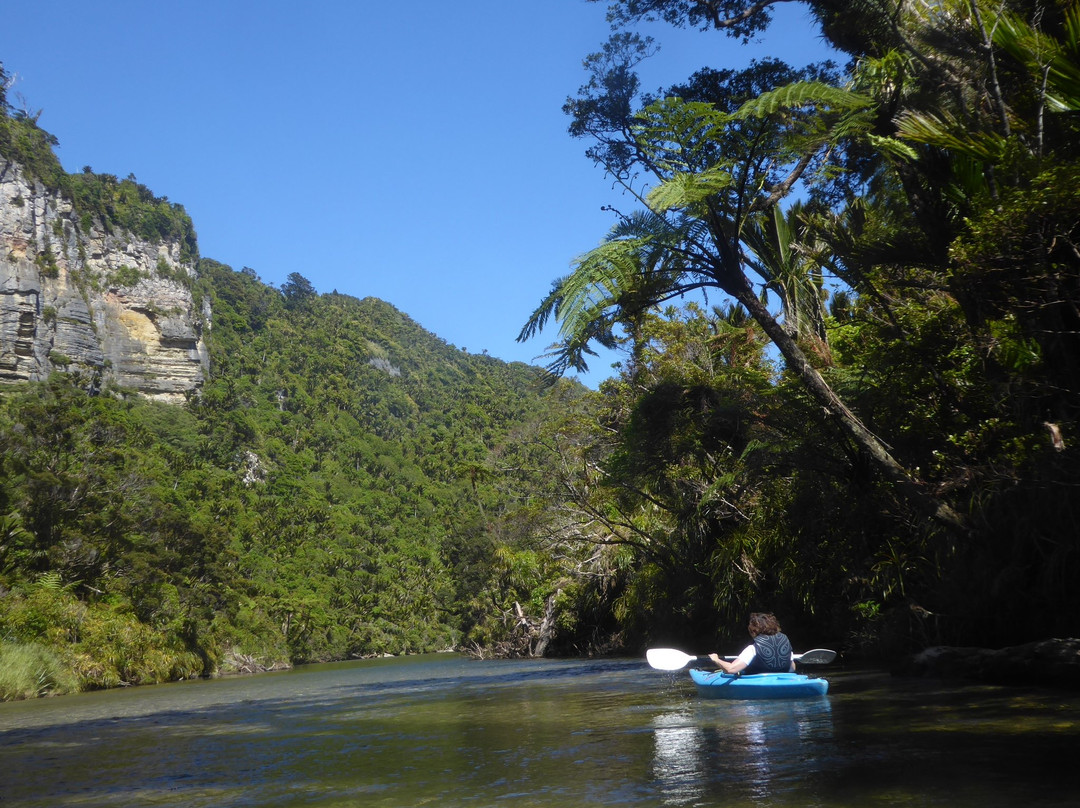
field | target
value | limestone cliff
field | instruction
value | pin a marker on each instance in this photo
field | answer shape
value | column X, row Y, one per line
column 79, row 296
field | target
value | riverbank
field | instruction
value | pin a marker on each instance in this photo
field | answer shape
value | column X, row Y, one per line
column 30, row 671
column 1053, row 662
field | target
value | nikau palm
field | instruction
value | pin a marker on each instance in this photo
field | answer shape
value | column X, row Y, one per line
column 790, row 272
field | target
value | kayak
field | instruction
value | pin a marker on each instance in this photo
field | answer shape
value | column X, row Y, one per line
column 720, row 685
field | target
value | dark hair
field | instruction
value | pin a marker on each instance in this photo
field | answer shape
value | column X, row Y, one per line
column 763, row 623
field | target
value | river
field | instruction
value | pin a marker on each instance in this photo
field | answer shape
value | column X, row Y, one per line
column 447, row 731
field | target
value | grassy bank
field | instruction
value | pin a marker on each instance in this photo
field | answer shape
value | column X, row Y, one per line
column 30, row 670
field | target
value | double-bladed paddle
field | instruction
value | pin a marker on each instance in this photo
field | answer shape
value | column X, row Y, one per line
column 669, row 659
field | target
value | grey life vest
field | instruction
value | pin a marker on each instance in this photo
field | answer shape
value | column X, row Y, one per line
column 772, row 654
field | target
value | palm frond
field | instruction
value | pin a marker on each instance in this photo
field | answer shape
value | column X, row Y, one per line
column 1042, row 54
column 768, row 237
column 945, row 132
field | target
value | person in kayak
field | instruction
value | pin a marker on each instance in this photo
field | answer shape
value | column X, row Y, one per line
column 770, row 651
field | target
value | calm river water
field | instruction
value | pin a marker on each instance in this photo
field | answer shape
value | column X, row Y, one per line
column 445, row 731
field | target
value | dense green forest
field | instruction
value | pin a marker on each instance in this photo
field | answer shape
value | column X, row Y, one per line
column 345, row 484
column 868, row 418
column 849, row 299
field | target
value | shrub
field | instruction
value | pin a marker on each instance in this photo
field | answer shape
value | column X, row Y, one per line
column 117, row 649
column 124, row 276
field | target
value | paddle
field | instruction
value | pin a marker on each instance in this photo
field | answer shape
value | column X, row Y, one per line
column 668, row 659
column 815, row 656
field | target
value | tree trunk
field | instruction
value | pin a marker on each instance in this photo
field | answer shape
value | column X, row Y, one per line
column 547, row 627
column 912, row 490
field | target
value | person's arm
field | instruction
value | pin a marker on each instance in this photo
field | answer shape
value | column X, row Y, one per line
column 739, row 663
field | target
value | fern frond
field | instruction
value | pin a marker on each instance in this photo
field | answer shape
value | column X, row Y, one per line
column 674, row 120
column 671, row 132
column 50, row 581
column 803, row 94
column 602, row 276
column 854, row 124
column 686, row 190
column 547, row 308
column 891, row 147
column 640, row 224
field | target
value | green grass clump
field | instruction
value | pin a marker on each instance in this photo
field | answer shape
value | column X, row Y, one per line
column 30, row 670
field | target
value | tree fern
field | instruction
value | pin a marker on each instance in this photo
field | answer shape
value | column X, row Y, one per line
column 687, row 190
column 631, row 271
column 803, row 94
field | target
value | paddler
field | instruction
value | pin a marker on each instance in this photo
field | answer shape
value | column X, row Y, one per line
column 770, row 651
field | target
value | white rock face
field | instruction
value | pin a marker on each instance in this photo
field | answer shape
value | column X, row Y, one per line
column 92, row 302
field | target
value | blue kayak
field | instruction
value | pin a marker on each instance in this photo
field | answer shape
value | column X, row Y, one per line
column 720, row 685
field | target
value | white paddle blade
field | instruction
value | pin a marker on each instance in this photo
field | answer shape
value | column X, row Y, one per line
column 817, row 656
column 668, row 659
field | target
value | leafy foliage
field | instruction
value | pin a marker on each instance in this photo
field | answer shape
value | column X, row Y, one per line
column 344, row 484
column 102, row 198
column 939, row 179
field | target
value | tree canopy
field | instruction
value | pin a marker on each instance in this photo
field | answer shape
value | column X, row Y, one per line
column 868, row 223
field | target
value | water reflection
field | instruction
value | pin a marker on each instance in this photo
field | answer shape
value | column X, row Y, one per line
column 548, row 734
column 678, row 760
column 757, row 750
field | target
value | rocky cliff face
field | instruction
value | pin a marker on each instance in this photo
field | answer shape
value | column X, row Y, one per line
column 76, row 298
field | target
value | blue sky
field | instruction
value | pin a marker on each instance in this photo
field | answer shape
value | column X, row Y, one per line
column 413, row 152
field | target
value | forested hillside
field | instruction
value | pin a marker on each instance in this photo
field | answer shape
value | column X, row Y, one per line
column 849, row 298
column 345, row 484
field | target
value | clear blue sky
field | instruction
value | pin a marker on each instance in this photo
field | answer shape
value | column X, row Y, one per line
column 415, row 152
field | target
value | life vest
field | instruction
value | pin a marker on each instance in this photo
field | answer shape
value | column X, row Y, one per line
column 772, row 654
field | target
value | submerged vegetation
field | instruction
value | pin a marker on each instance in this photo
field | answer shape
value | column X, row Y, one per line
column 862, row 413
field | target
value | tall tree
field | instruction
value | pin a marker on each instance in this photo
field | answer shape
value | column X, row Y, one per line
column 718, row 151
column 955, row 224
